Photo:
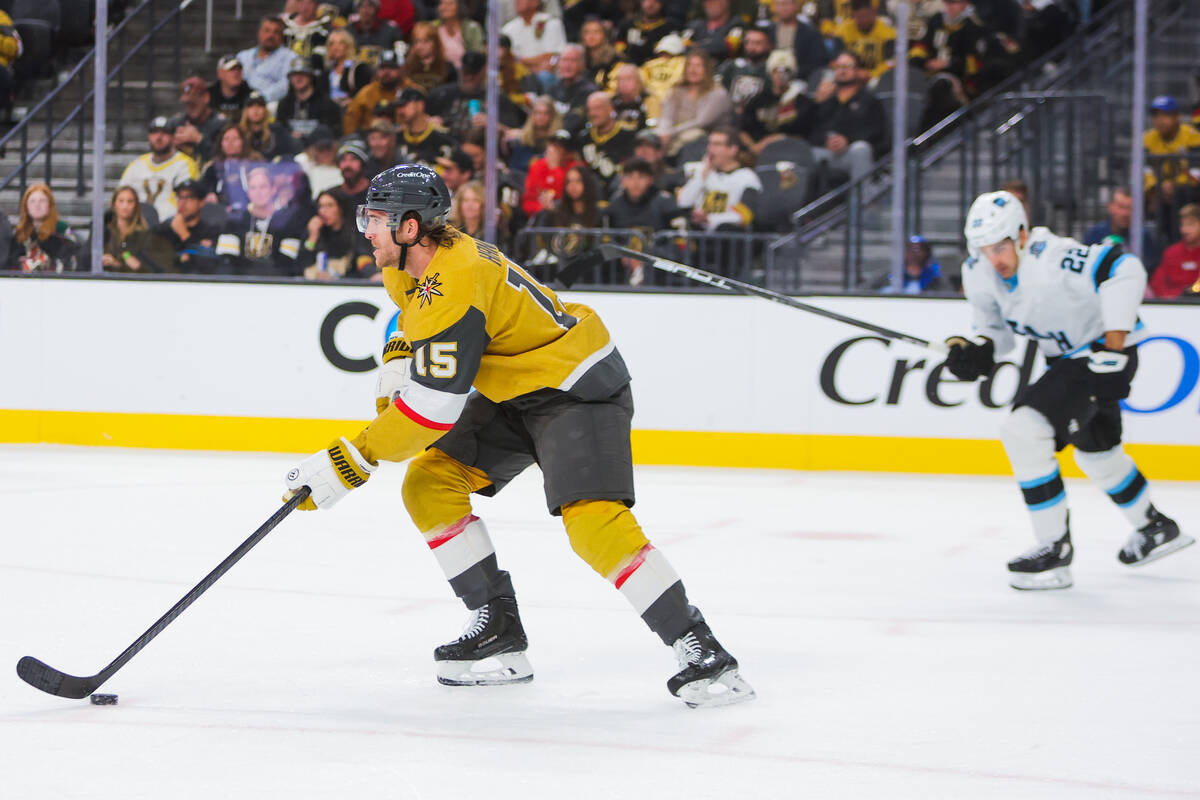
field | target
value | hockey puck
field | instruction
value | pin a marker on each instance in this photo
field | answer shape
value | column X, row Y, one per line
column 104, row 699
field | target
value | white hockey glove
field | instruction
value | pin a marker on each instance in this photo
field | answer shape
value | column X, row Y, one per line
column 395, row 373
column 329, row 474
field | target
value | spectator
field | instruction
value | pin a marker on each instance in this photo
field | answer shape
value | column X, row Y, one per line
column 962, row 58
column 791, row 112
column 388, row 82
column 696, row 105
column 269, row 139
column 459, row 34
column 600, row 58
column 352, row 161
column 719, row 34
column 462, row 106
column 261, row 239
column 319, row 161
column 1169, row 181
column 720, row 192
column 306, row 105
column 639, row 203
column 196, row 128
column 153, row 175
column 578, row 207
column 649, row 147
column 10, row 50
column 571, row 91
column 797, row 35
column 402, row 12
column 381, row 147
column 374, row 34
column 748, row 83
column 1116, row 228
column 334, row 246
column 607, row 142
column 530, row 140
column 306, row 31
column 457, row 169
column 537, row 38
column 850, row 128
column 1179, row 272
column 228, row 94
column 188, row 238
column 421, row 140
column 921, row 272
column 221, row 177
column 638, row 36
column 544, row 184
column 345, row 73
column 427, row 66
column 467, row 209
column 663, row 72
column 266, row 66
column 42, row 242
column 516, row 81
column 634, row 105
column 872, row 39
column 128, row 244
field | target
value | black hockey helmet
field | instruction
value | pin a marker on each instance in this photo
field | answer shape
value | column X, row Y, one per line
column 404, row 188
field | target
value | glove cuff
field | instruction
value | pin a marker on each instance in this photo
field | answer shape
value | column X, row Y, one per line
column 396, row 347
column 351, row 467
column 1107, row 362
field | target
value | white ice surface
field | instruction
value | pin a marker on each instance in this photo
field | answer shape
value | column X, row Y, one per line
column 870, row 612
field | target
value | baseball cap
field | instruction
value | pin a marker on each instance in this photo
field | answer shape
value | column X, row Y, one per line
column 354, row 147
column 1165, row 104
column 408, row 95
column 647, row 137
column 191, row 186
column 230, row 61
column 383, row 126
column 459, row 159
column 473, row 63
column 564, row 138
column 162, row 124
column 388, row 59
column 256, row 98
column 193, row 86
column 301, row 65
column 320, row 135
column 672, row 43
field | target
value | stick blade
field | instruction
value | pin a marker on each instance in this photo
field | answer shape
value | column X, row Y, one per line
column 46, row 678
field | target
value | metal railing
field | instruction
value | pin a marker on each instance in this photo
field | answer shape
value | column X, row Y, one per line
column 44, row 116
column 1053, row 125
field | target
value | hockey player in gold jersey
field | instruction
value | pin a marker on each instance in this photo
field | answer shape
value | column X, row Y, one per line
column 492, row 373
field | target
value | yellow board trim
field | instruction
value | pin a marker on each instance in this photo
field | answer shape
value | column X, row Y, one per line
column 676, row 448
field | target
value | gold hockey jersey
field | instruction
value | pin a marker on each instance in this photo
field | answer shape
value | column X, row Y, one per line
column 477, row 320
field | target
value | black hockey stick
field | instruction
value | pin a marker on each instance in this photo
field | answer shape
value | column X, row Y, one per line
column 48, row 679
column 613, row 251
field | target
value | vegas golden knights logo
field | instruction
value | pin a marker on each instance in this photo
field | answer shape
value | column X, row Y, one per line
column 257, row 245
column 152, row 188
column 715, row 202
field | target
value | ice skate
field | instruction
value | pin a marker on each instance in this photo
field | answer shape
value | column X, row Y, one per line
column 491, row 650
column 1157, row 538
column 1044, row 566
column 709, row 674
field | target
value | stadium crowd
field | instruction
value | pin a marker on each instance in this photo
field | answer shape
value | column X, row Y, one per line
column 643, row 115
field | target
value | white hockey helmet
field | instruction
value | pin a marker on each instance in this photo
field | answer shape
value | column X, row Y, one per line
column 994, row 217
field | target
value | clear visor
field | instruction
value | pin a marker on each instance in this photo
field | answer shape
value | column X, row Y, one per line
column 362, row 218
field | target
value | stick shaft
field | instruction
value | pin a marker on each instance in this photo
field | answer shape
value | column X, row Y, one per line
column 731, row 285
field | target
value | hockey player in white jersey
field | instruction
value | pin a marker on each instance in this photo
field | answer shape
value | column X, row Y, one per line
column 1081, row 305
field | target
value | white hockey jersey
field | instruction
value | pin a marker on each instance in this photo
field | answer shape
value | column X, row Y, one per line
column 1064, row 294
column 155, row 183
column 729, row 198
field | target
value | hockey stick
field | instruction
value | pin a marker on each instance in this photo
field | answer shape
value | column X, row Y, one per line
column 48, row 679
column 613, row 251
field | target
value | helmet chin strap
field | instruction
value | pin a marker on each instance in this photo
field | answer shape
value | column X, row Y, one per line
column 404, row 246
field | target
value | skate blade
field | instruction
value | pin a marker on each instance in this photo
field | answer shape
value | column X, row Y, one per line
column 1178, row 543
column 492, row 671
column 1058, row 578
column 723, row 690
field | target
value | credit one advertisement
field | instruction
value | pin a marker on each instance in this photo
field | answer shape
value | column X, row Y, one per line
column 716, row 363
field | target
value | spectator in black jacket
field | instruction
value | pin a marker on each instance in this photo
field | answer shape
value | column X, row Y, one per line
column 42, row 242
column 196, row 128
column 229, row 92
column 850, row 127
column 186, row 235
column 307, row 104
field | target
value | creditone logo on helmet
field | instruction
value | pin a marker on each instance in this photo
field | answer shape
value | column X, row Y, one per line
column 407, row 188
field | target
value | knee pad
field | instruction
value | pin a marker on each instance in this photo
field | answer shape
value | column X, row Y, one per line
column 1028, row 438
column 437, row 489
column 604, row 533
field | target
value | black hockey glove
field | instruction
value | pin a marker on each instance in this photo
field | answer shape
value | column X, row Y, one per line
column 969, row 360
column 1108, row 378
